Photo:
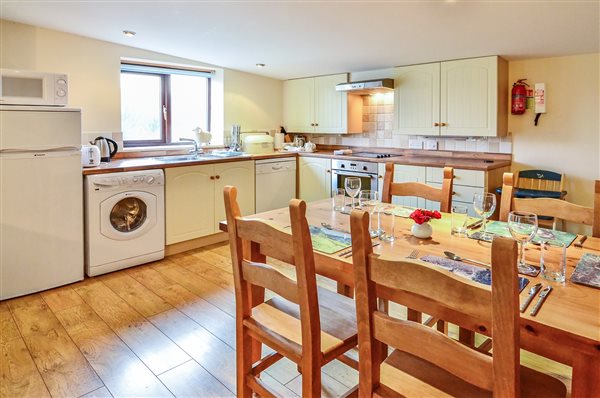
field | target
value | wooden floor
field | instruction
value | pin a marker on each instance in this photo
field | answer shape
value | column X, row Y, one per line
column 162, row 329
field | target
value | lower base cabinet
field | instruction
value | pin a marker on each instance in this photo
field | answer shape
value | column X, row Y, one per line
column 194, row 203
column 315, row 178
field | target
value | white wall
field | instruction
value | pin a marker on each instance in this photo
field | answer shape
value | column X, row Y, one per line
column 93, row 67
column 567, row 138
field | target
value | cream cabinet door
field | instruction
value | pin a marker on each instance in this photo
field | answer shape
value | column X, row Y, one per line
column 417, row 99
column 331, row 106
column 469, row 97
column 299, row 105
column 241, row 176
column 189, row 202
column 403, row 173
column 315, row 178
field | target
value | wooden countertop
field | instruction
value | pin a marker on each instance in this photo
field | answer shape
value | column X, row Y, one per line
column 476, row 162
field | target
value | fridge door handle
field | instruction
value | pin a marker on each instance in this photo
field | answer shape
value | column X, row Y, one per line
column 55, row 149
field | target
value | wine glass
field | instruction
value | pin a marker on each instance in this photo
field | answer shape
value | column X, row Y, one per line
column 523, row 226
column 369, row 200
column 484, row 204
column 352, row 185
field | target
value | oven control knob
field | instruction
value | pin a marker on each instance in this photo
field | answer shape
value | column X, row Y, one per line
column 365, row 168
column 61, row 93
column 150, row 180
column 135, row 179
column 343, row 166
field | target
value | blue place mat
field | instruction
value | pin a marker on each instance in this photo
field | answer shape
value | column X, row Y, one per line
column 473, row 272
column 587, row 271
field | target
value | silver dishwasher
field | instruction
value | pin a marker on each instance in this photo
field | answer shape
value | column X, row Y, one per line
column 275, row 183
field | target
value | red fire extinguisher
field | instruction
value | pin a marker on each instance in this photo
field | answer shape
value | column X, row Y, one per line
column 518, row 97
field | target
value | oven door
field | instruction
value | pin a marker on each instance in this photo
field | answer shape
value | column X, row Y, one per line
column 367, row 181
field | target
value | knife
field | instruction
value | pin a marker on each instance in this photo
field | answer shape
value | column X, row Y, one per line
column 542, row 297
column 579, row 243
column 532, row 292
column 475, row 224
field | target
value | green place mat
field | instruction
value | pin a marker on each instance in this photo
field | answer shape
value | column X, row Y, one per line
column 329, row 241
column 400, row 211
column 500, row 228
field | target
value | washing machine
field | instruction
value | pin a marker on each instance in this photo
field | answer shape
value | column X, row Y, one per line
column 124, row 220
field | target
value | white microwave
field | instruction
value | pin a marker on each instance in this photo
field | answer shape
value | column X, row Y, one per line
column 21, row 87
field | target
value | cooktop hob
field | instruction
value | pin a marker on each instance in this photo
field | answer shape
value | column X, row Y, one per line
column 373, row 155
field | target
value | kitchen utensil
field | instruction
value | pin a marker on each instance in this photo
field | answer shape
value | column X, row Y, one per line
column 90, row 156
column 236, row 144
column 475, row 224
column 413, row 255
column 533, row 290
column 579, row 243
column 299, row 141
column 542, row 297
column 104, row 145
column 348, row 253
column 455, row 257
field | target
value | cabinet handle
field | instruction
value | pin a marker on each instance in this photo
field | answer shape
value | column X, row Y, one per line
column 436, row 125
column 312, row 124
column 212, row 177
column 380, row 177
column 443, row 124
column 329, row 171
column 218, row 177
column 316, row 124
column 453, row 193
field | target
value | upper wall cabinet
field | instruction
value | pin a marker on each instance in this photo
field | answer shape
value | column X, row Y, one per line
column 455, row 98
column 312, row 105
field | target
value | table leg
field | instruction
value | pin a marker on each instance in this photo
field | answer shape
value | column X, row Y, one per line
column 586, row 376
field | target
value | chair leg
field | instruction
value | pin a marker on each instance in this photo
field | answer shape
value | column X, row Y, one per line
column 467, row 337
column 244, row 344
column 311, row 379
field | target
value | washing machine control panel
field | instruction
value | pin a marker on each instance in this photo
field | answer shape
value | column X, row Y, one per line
column 141, row 178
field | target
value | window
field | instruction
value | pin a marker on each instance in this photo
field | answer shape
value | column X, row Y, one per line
column 160, row 105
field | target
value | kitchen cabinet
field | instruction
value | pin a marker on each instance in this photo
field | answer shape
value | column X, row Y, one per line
column 404, row 173
column 194, row 197
column 313, row 105
column 466, row 97
column 314, row 178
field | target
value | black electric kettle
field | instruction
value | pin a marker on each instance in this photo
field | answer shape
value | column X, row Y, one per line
column 104, row 144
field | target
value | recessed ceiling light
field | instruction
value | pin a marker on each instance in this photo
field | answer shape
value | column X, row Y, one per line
column 260, row 65
column 129, row 33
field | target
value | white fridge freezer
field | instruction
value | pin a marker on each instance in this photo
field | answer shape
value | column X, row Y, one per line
column 41, row 199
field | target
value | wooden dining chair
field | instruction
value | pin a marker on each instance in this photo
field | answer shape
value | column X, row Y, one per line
column 556, row 208
column 306, row 324
column 426, row 362
column 442, row 195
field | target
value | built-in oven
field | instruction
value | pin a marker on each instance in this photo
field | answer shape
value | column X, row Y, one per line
column 342, row 169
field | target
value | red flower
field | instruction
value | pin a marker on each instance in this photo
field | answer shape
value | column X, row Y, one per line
column 421, row 216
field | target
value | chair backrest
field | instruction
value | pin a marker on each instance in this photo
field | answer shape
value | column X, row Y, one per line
column 550, row 207
column 428, row 288
column 251, row 241
column 442, row 195
column 542, row 180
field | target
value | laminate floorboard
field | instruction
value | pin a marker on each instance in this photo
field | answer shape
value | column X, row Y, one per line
column 155, row 330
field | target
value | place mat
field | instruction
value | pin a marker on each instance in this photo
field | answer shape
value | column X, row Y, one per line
column 500, row 228
column 329, row 241
column 587, row 271
column 399, row 211
column 473, row 272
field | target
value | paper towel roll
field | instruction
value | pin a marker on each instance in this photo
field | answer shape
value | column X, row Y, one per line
column 278, row 140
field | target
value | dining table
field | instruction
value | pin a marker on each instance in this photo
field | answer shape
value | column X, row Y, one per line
column 567, row 327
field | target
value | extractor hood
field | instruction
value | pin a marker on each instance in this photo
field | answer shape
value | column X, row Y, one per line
column 367, row 87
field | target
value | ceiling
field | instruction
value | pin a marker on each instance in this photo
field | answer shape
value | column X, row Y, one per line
column 307, row 38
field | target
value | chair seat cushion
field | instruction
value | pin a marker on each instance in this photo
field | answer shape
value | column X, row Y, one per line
column 337, row 315
column 411, row 376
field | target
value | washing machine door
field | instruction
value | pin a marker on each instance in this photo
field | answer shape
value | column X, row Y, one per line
column 128, row 215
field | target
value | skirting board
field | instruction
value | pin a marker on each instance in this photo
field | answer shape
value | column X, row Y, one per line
column 197, row 243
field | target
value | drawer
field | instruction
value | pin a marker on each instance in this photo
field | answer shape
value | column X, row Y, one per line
column 461, row 193
column 472, row 178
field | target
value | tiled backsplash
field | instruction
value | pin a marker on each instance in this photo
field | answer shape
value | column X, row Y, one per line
column 378, row 113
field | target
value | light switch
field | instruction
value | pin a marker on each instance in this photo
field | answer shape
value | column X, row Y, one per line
column 431, row 145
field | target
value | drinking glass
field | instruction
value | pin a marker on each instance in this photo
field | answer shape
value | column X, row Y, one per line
column 368, row 202
column 339, row 199
column 352, row 185
column 553, row 261
column 484, row 204
column 523, row 227
column 459, row 220
column 388, row 221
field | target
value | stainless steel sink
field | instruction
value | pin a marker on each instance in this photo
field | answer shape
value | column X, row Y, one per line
column 224, row 154
column 179, row 158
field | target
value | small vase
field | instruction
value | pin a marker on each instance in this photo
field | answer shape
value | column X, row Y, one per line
column 422, row 231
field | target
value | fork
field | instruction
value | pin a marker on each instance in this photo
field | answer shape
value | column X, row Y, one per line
column 413, row 255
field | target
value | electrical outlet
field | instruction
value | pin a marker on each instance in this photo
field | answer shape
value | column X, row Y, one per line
column 431, row 145
column 415, row 143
